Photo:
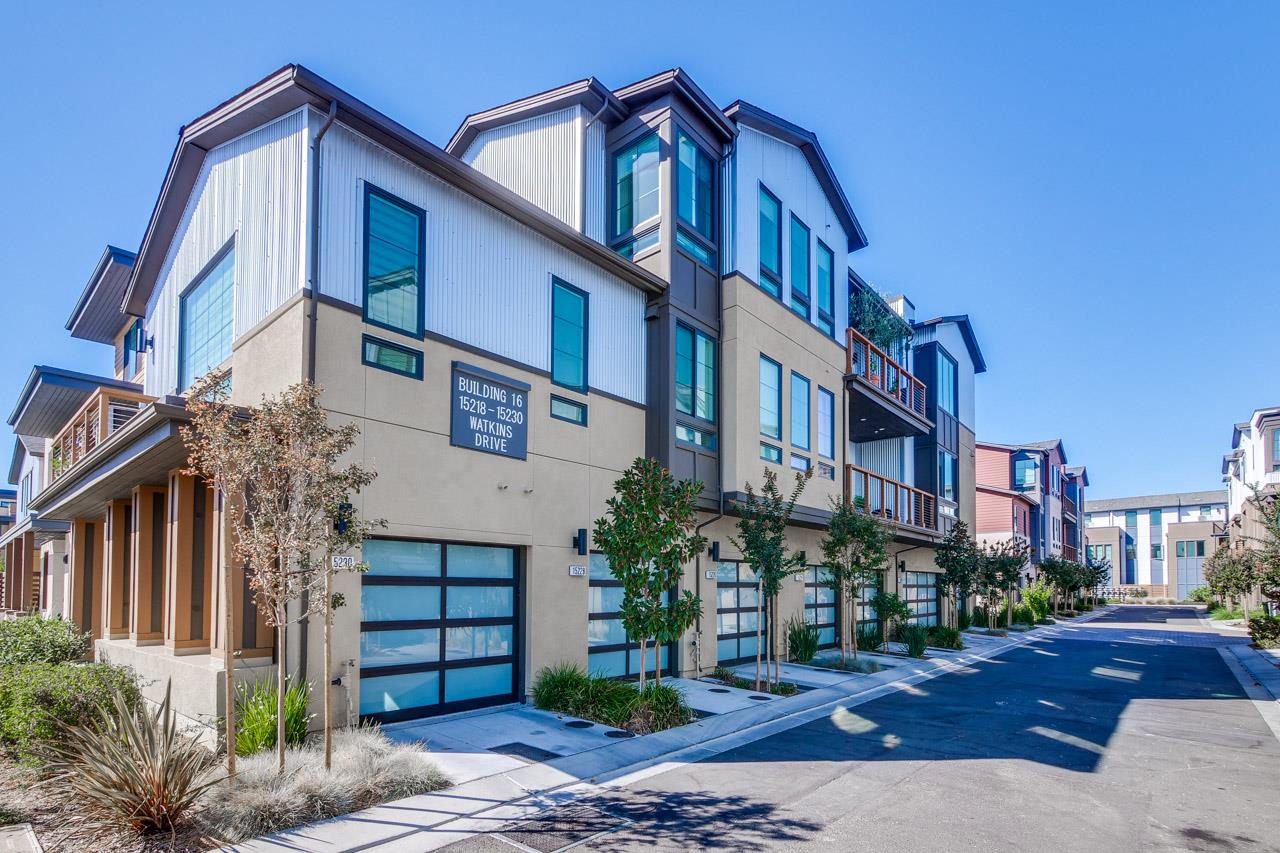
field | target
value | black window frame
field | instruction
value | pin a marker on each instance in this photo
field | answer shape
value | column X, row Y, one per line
column 628, row 646
column 807, row 299
column 774, row 277
column 695, row 335
column 826, row 314
column 807, row 447
column 944, row 358
column 738, row 636
column 584, row 388
column 582, row 407
column 619, row 238
column 418, row 355
column 419, row 332
column 712, row 240
column 760, row 424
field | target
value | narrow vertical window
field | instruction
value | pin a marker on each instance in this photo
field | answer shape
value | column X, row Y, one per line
column 947, row 383
column 826, row 423
column 799, row 267
column 695, row 186
column 770, row 242
column 770, row 398
column 205, row 327
column 799, row 411
column 826, row 265
column 568, row 336
column 695, row 373
column 635, row 193
column 393, row 238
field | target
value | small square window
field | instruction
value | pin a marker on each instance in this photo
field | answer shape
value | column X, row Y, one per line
column 693, row 435
column 826, row 472
column 568, row 410
column 800, row 463
column 769, row 453
column 385, row 355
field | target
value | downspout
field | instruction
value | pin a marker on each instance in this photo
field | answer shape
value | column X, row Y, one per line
column 313, row 300
column 582, row 179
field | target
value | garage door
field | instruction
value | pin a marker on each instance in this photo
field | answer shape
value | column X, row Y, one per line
column 439, row 628
column 920, row 590
column 737, row 596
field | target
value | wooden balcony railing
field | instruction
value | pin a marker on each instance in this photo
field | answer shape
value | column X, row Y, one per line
column 1069, row 552
column 1068, row 504
column 872, row 365
column 106, row 410
column 889, row 499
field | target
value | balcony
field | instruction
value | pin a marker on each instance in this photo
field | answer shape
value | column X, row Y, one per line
column 1069, row 552
column 904, row 505
column 1069, row 505
column 106, row 410
column 888, row 402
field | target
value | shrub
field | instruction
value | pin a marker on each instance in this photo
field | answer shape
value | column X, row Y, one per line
column 1024, row 614
column 1265, row 631
column 802, row 639
column 1201, row 594
column 1038, row 597
column 37, row 639
column 132, row 769
column 916, row 638
column 367, row 769
column 256, row 715
column 869, row 637
column 864, row 666
column 566, row 689
column 964, row 620
column 38, row 700
column 943, row 637
column 560, row 687
column 728, row 676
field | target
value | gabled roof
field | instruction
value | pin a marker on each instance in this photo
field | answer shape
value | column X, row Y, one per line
column 1258, row 415
column 15, row 460
column 1078, row 472
column 1178, row 499
column 966, row 331
column 677, row 81
column 97, row 316
column 590, row 93
column 752, row 116
column 52, row 395
column 294, row 86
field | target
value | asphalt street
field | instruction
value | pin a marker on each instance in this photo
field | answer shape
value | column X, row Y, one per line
column 1130, row 735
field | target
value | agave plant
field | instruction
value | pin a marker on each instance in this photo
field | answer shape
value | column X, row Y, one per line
column 134, row 769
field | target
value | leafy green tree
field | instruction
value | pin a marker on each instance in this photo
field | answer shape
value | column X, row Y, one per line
column 1000, row 569
column 762, row 538
column 1060, row 574
column 957, row 556
column 1230, row 574
column 648, row 536
column 855, row 550
column 1266, row 556
column 892, row 612
column 1097, row 573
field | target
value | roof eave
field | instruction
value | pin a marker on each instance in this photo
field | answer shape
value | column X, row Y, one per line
column 590, row 93
column 678, row 80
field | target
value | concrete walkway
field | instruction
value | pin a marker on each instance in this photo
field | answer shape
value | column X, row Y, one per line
column 481, row 803
column 18, row 838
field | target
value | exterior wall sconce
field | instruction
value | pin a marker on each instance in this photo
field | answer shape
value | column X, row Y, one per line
column 715, row 551
column 580, row 541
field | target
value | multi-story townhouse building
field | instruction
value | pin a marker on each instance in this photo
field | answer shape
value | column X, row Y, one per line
column 1156, row 542
column 1252, row 467
column 1027, row 492
column 580, row 278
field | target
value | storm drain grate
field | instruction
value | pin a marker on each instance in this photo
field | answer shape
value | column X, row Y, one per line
column 562, row 828
column 526, row 751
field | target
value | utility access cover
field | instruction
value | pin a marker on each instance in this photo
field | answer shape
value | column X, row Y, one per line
column 562, row 828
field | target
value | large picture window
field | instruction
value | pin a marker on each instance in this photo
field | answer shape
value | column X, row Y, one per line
column 207, row 313
column 770, row 242
column 695, row 373
column 568, row 336
column 635, row 192
column 394, row 233
column 799, row 267
column 695, row 184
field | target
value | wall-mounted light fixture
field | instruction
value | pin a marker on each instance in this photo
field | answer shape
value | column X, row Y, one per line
column 715, row 551
column 580, row 541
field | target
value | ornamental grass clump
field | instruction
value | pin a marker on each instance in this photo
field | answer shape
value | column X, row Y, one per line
column 802, row 640
column 567, row 689
column 134, row 769
column 916, row 638
column 256, row 711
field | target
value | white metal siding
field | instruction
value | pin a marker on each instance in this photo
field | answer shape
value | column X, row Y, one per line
column 597, row 181
column 252, row 188
column 784, row 170
column 487, row 276
column 887, row 457
column 540, row 158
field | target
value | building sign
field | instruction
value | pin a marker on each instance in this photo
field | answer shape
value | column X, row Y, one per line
column 577, row 571
column 490, row 412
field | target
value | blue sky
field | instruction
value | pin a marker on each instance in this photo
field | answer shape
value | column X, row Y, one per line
column 1096, row 184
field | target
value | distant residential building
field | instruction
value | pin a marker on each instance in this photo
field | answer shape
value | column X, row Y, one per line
column 1156, row 542
column 1027, row 492
column 1253, row 465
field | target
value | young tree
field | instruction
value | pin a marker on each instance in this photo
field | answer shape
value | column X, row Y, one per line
column 286, row 457
column 1006, row 560
column 1266, row 547
column 957, row 556
column 892, row 612
column 854, row 552
column 762, row 539
column 1096, row 573
column 1058, row 573
column 1230, row 574
column 648, row 535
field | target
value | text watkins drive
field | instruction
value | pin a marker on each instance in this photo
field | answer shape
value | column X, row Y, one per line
column 490, row 412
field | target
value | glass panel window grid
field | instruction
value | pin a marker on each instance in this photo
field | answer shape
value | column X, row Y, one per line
column 393, row 296
column 207, row 313
column 695, row 184
column 737, row 597
column 636, row 195
column 439, row 628
column 826, row 423
column 610, row 651
column 948, row 474
column 799, row 411
column 770, row 398
column 568, row 336
column 947, row 383
column 827, row 472
column 695, row 373
column 800, row 463
column 770, row 242
column 826, row 264
column 920, row 591
column 392, row 357
column 820, row 607
column 769, row 453
column 693, row 247
column 700, row 437
column 1026, row 474
column 1157, row 518
column 799, row 267
column 568, row 410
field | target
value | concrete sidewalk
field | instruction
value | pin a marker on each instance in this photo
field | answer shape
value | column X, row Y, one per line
column 432, row 820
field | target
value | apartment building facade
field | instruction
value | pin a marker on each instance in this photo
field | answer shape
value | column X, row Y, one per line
column 1158, row 543
column 1028, row 493
column 1251, row 468
column 580, row 278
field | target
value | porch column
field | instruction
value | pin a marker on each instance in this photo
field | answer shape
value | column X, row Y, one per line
column 84, row 549
column 251, row 634
column 29, row 573
column 117, row 568
column 6, row 600
column 147, row 544
column 188, row 554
